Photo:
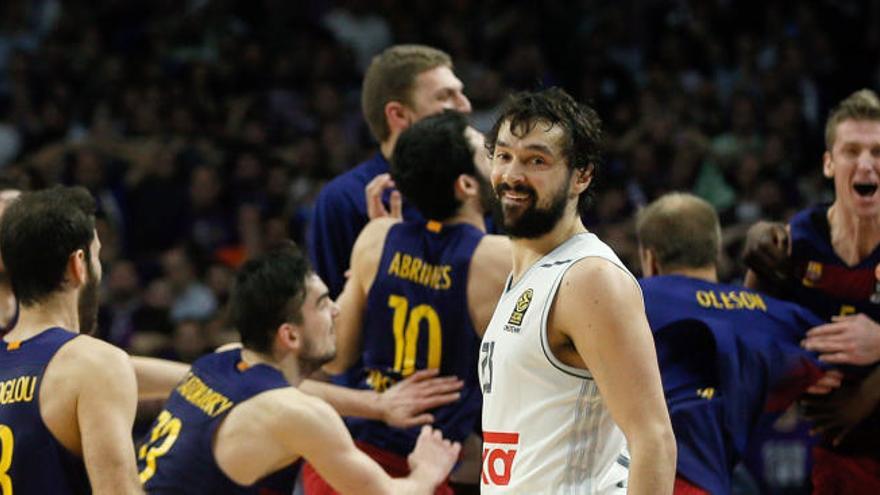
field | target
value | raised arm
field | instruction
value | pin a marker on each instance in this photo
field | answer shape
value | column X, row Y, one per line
column 600, row 309
column 365, row 259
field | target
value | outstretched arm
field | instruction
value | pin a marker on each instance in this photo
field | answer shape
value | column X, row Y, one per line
column 403, row 405
column 321, row 437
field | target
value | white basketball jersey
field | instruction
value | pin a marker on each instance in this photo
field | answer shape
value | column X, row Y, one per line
column 545, row 426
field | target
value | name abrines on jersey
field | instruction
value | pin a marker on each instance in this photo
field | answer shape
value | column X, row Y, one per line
column 499, row 450
column 19, row 389
column 202, row 396
column 519, row 311
column 414, row 269
column 731, row 300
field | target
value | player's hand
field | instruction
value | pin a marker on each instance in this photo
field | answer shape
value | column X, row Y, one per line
column 829, row 382
column 852, row 339
column 404, row 404
column 767, row 252
column 836, row 414
column 374, row 191
column 433, row 458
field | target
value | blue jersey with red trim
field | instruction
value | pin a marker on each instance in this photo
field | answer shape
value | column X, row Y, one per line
column 417, row 317
column 726, row 355
column 32, row 461
column 177, row 457
column 826, row 284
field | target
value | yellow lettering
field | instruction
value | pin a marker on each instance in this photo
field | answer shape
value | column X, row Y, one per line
column 714, row 301
column 759, row 302
column 703, row 299
column 447, row 279
column 197, row 393
column 394, row 267
column 846, row 309
column 727, row 303
column 415, row 270
column 404, row 266
column 425, row 274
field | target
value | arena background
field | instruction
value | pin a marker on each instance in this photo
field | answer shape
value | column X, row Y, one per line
column 206, row 128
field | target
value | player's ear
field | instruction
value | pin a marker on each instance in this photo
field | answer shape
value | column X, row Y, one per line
column 466, row 186
column 827, row 165
column 582, row 177
column 77, row 270
column 398, row 116
column 648, row 260
column 289, row 337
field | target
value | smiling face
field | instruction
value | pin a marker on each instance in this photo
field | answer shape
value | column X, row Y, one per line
column 854, row 164
column 531, row 179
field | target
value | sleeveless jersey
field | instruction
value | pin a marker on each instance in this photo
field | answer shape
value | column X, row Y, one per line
column 176, row 457
column 32, row 461
column 546, row 428
column 417, row 317
column 826, row 285
column 726, row 355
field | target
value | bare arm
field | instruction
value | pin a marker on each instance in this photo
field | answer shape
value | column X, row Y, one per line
column 156, row 378
column 365, row 257
column 402, row 406
column 600, row 309
column 105, row 412
column 489, row 269
column 321, row 437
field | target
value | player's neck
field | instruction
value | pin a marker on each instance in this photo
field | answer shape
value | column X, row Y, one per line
column 287, row 364
column 468, row 216
column 57, row 311
column 387, row 147
column 7, row 305
column 853, row 237
column 707, row 273
column 528, row 251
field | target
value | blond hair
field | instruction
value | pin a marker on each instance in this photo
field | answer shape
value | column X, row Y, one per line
column 861, row 105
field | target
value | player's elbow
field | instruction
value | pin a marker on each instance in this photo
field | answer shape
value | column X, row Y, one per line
column 654, row 442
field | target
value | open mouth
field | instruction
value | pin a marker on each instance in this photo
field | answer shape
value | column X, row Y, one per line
column 865, row 189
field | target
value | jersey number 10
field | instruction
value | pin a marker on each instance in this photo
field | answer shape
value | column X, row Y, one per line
column 406, row 325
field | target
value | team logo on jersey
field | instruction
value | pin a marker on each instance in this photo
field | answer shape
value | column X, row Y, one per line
column 499, row 450
column 519, row 311
column 813, row 274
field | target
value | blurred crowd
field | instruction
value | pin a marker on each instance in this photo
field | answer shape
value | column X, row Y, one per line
column 205, row 128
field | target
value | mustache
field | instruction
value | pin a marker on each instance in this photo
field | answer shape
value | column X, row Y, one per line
column 502, row 188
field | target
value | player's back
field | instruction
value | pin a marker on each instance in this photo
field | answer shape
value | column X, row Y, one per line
column 176, row 457
column 726, row 354
column 417, row 317
column 32, row 460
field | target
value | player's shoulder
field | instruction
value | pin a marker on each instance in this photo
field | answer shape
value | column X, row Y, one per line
column 94, row 355
column 352, row 182
column 599, row 279
column 372, row 238
column 493, row 252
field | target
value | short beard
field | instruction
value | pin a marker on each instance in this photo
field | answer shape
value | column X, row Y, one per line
column 309, row 362
column 88, row 304
column 533, row 222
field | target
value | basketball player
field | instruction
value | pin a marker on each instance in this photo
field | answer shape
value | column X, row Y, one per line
column 402, row 85
column 421, row 292
column 568, row 368
column 67, row 401
column 725, row 352
column 237, row 423
column 827, row 260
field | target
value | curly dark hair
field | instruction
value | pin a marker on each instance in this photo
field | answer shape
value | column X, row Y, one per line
column 583, row 128
column 428, row 158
